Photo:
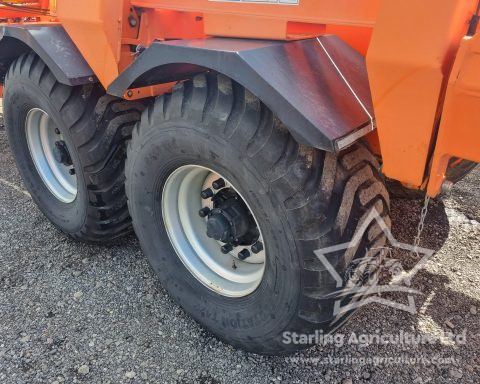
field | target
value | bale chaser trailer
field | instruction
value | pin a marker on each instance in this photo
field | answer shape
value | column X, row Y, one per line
column 239, row 136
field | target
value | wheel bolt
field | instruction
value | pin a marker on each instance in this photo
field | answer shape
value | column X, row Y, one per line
column 257, row 247
column 227, row 248
column 60, row 153
column 204, row 212
column 207, row 193
column 57, row 131
column 245, row 254
column 218, row 184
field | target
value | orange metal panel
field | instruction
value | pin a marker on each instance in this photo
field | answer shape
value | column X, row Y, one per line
column 410, row 56
column 459, row 134
column 96, row 28
column 409, row 61
column 358, row 37
column 240, row 26
column 274, row 29
column 17, row 12
column 100, row 27
column 275, row 21
column 176, row 25
column 335, row 12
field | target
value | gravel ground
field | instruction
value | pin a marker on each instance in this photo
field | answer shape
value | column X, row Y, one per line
column 86, row 314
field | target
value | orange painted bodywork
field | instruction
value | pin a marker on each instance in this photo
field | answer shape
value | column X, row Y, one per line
column 459, row 133
column 97, row 28
column 100, row 28
column 409, row 61
column 16, row 14
column 410, row 46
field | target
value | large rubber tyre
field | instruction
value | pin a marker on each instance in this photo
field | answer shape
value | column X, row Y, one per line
column 305, row 199
column 95, row 128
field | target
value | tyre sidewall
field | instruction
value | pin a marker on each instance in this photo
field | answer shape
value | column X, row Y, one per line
column 254, row 321
column 22, row 95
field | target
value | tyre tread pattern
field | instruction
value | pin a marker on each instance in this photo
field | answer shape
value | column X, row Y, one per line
column 327, row 196
column 100, row 126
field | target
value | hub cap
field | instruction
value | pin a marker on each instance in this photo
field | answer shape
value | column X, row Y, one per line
column 50, row 155
column 213, row 230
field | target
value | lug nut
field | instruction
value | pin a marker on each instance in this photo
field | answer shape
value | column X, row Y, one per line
column 218, row 184
column 227, row 248
column 245, row 254
column 57, row 131
column 204, row 212
column 206, row 194
column 72, row 171
column 257, row 247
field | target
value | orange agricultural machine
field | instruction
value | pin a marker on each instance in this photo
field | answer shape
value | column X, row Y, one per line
column 240, row 136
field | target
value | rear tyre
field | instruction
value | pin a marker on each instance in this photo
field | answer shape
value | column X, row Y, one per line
column 69, row 146
column 301, row 198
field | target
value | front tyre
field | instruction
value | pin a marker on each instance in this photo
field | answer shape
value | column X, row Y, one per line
column 69, row 146
column 229, row 210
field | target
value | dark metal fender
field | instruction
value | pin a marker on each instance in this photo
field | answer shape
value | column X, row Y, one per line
column 318, row 88
column 52, row 44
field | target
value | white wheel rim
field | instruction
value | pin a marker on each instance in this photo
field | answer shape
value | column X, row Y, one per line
column 41, row 134
column 181, row 201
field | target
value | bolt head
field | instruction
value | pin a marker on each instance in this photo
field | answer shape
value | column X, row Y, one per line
column 446, row 187
column 207, row 193
column 204, row 212
column 243, row 255
column 132, row 21
column 226, row 249
column 218, row 184
column 257, row 247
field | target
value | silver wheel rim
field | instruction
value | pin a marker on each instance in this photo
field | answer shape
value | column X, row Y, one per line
column 181, row 201
column 42, row 134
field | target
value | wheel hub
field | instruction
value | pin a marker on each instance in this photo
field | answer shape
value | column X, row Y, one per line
column 61, row 154
column 50, row 155
column 213, row 231
column 218, row 227
column 229, row 221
